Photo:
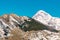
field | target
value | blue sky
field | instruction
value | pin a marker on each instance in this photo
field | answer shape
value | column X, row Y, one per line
column 29, row 7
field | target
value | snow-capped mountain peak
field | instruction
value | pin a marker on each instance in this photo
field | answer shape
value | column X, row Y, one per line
column 46, row 19
column 42, row 13
column 42, row 16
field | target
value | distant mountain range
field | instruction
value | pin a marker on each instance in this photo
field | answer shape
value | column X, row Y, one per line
column 9, row 22
column 13, row 27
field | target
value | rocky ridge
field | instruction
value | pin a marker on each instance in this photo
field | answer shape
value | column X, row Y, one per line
column 13, row 27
